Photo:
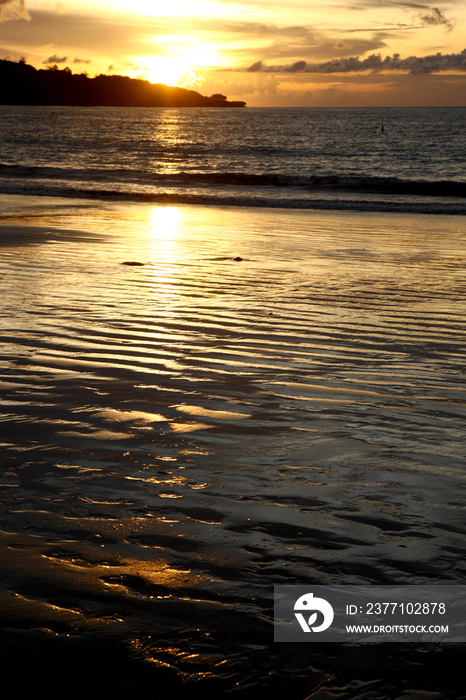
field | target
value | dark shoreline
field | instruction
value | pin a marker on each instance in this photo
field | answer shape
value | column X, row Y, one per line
column 24, row 85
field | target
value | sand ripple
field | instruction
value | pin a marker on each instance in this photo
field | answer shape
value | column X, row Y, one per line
column 179, row 436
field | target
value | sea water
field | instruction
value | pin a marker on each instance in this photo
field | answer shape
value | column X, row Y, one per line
column 394, row 159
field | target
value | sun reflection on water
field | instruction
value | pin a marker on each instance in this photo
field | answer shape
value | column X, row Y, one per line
column 162, row 250
column 165, row 220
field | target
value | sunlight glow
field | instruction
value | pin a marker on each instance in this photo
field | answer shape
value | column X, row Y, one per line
column 169, row 71
column 211, row 46
column 179, row 68
column 164, row 221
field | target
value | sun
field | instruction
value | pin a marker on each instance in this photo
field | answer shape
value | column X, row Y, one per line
column 168, row 71
column 181, row 63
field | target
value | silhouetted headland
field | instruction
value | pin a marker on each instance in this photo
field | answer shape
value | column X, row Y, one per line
column 23, row 84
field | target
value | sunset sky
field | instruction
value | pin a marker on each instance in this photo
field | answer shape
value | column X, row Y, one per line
column 266, row 52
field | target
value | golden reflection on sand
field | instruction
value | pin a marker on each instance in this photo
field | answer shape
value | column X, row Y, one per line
column 165, row 220
column 161, row 249
column 210, row 413
column 188, row 427
column 112, row 415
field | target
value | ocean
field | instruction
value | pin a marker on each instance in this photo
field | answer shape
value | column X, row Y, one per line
column 294, row 158
column 232, row 357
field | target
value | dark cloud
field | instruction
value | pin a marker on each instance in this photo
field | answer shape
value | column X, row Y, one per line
column 364, row 4
column 81, row 60
column 435, row 18
column 411, row 5
column 257, row 67
column 13, row 9
column 375, row 63
column 56, row 59
column 386, row 28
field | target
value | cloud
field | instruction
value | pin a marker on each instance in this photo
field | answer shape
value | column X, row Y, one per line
column 432, row 18
column 435, row 18
column 258, row 67
column 364, row 4
column 56, row 59
column 400, row 27
column 81, row 60
column 411, row 5
column 89, row 33
column 288, row 42
column 13, row 9
column 105, row 38
column 375, row 63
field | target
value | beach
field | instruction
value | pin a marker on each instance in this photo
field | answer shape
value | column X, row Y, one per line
column 202, row 402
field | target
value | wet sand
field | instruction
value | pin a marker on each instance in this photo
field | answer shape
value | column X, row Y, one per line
column 179, row 436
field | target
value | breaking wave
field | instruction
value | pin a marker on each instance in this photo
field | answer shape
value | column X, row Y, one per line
column 339, row 192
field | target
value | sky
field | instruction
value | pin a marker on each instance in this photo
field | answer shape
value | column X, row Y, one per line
column 347, row 53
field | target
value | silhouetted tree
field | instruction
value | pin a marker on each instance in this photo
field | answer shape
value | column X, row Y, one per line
column 23, row 84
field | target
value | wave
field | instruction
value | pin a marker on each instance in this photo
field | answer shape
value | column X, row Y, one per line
column 391, row 185
column 279, row 190
column 277, row 203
